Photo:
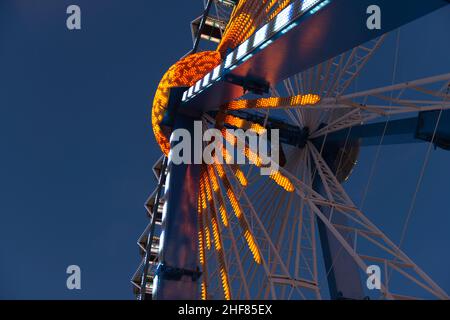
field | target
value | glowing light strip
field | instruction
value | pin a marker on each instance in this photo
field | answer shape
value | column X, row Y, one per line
column 216, row 189
column 320, row 6
column 229, row 59
column 204, row 293
column 217, row 240
column 208, row 237
column 197, row 86
column 249, row 154
column 228, row 159
column 260, row 36
column 244, row 124
column 283, row 18
column 238, row 212
column 308, row 4
column 206, row 80
column 216, row 72
column 282, row 181
column 274, row 102
column 201, row 243
column 241, row 177
column 242, row 50
column 276, row 176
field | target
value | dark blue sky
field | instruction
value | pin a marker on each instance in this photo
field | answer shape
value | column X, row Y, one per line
column 76, row 142
column 77, row 148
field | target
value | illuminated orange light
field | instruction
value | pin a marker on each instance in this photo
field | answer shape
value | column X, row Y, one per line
column 276, row 176
column 204, row 294
column 238, row 30
column 241, row 177
column 253, row 157
column 219, row 168
column 234, row 121
column 208, row 238
column 208, row 189
column 270, row 5
column 185, row 72
column 202, row 193
column 274, row 102
column 228, row 158
column 256, row 127
column 217, row 239
column 216, row 234
column 282, row 181
column 241, row 218
column 222, row 210
column 234, row 203
column 225, row 284
column 237, row 172
column 249, row 154
column 252, row 246
column 280, row 7
column 223, row 213
column 243, row 124
column 213, row 179
column 201, row 248
column 231, row 139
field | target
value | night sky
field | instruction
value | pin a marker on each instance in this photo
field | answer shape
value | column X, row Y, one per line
column 77, row 148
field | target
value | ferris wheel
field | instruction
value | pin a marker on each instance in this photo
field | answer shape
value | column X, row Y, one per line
column 224, row 230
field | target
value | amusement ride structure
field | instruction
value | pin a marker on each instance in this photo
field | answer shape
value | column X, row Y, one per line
column 224, row 231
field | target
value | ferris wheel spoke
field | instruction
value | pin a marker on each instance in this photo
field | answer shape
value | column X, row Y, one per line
column 357, row 113
column 213, row 202
column 267, row 208
column 239, row 274
column 279, row 213
column 217, row 236
column 302, row 259
column 283, row 277
column 392, row 258
column 253, row 271
column 237, row 253
column 281, row 232
column 234, row 260
column 296, row 115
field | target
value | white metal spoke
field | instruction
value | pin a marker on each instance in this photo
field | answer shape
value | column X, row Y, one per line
column 270, row 250
column 359, row 113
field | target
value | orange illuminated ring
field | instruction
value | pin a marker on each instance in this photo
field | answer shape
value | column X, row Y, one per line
column 184, row 73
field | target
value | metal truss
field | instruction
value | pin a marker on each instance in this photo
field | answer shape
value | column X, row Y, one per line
column 367, row 244
column 361, row 107
column 285, row 235
column 328, row 79
column 366, row 236
column 333, row 77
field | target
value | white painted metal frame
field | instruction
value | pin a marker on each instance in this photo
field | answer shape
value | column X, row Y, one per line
column 269, row 209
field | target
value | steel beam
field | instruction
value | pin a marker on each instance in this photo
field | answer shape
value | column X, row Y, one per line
column 336, row 28
column 401, row 131
column 178, row 269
